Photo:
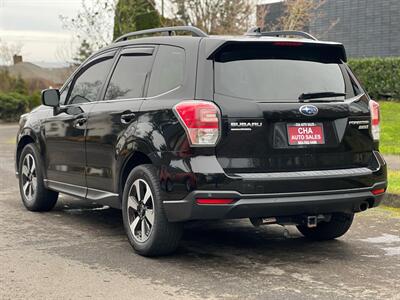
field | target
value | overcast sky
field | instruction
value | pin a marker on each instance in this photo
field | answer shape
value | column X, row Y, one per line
column 36, row 25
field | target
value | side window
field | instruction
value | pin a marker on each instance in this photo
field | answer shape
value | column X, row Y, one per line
column 129, row 77
column 168, row 70
column 88, row 84
column 63, row 95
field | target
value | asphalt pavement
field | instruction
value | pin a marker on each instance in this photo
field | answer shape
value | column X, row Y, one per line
column 79, row 250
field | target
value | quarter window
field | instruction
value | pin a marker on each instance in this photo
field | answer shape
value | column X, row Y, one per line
column 129, row 77
column 88, row 84
column 63, row 95
column 168, row 71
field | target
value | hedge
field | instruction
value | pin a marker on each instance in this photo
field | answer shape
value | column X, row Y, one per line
column 379, row 76
column 12, row 105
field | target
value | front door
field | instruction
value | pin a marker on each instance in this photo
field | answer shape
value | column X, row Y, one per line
column 65, row 130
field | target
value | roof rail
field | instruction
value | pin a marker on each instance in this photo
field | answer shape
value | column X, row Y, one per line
column 256, row 31
column 169, row 30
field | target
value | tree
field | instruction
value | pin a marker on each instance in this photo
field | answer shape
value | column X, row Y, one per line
column 21, row 86
column 216, row 16
column 133, row 15
column 7, row 82
column 298, row 14
column 84, row 51
column 7, row 52
column 92, row 26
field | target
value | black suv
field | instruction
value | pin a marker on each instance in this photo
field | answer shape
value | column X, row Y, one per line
column 174, row 128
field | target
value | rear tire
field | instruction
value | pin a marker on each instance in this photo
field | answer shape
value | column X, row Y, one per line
column 34, row 194
column 339, row 224
column 145, row 223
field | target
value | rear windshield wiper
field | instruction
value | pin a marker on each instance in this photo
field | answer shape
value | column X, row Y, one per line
column 308, row 96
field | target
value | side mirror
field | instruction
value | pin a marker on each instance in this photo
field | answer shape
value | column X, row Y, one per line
column 51, row 97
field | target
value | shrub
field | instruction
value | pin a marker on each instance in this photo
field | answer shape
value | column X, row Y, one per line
column 379, row 76
column 12, row 105
column 35, row 99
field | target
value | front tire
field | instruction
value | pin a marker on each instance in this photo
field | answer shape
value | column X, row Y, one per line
column 145, row 223
column 34, row 194
column 339, row 224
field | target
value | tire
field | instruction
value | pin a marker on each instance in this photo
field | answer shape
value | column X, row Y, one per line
column 338, row 225
column 34, row 194
column 145, row 223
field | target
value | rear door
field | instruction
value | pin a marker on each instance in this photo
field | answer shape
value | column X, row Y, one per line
column 289, row 106
column 112, row 121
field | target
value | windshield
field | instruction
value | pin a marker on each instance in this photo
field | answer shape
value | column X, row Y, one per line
column 269, row 72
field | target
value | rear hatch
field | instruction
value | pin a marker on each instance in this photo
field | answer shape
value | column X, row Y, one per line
column 289, row 106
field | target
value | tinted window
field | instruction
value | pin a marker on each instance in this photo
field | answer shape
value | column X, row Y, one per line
column 63, row 95
column 278, row 73
column 88, row 85
column 168, row 70
column 129, row 77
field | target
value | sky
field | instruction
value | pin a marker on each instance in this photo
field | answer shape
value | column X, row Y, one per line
column 36, row 25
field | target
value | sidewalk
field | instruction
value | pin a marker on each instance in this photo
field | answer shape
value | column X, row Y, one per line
column 393, row 161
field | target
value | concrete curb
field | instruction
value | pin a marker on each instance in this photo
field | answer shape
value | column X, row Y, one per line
column 392, row 200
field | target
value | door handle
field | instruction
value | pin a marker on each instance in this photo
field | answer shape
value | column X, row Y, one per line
column 79, row 122
column 127, row 117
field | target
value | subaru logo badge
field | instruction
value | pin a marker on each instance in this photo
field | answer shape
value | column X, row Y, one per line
column 308, row 110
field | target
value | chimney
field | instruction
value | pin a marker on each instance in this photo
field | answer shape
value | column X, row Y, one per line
column 17, row 59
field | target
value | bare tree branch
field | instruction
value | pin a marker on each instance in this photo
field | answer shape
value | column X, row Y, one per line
column 215, row 16
column 8, row 50
column 93, row 24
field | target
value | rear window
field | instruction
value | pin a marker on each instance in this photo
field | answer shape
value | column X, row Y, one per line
column 278, row 73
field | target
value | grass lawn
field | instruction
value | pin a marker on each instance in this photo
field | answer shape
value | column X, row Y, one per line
column 390, row 127
column 394, row 182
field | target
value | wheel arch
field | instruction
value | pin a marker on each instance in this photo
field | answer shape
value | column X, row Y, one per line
column 24, row 139
column 135, row 159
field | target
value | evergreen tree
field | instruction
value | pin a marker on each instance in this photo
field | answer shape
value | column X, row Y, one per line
column 84, row 51
column 133, row 15
column 21, row 86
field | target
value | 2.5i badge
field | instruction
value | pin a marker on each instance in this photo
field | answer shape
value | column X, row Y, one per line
column 362, row 124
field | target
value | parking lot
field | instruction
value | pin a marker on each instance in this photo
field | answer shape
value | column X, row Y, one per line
column 79, row 250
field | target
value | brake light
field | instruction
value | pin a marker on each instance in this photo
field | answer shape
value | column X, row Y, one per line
column 375, row 119
column 214, row 201
column 378, row 191
column 293, row 44
column 201, row 121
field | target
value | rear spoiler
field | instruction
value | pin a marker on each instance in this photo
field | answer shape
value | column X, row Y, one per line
column 279, row 49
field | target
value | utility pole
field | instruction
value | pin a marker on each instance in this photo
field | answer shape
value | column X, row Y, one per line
column 162, row 8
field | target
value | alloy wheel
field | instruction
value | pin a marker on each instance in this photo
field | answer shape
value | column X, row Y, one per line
column 140, row 210
column 29, row 177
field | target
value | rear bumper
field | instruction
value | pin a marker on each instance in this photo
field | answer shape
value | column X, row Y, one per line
column 270, row 205
column 265, row 194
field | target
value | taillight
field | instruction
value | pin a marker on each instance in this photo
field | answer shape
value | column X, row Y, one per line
column 201, row 120
column 378, row 191
column 375, row 119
